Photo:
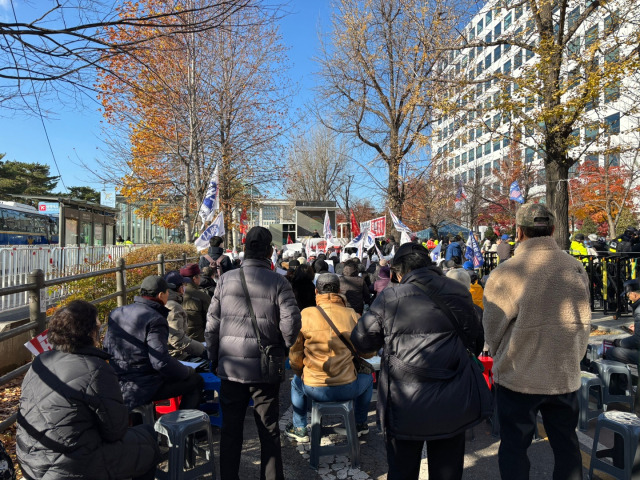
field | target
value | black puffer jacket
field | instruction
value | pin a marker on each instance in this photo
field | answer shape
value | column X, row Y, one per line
column 354, row 288
column 73, row 422
column 137, row 339
column 417, row 335
column 231, row 341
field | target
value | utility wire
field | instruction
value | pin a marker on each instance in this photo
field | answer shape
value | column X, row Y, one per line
column 44, row 127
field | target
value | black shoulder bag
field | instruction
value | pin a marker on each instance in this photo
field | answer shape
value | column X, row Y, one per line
column 486, row 398
column 272, row 357
column 362, row 366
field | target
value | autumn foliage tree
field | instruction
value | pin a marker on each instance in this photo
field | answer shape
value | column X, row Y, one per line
column 190, row 102
column 603, row 193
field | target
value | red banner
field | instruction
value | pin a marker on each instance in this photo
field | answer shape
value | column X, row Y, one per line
column 289, row 241
column 377, row 226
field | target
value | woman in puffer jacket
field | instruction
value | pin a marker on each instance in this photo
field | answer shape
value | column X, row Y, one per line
column 72, row 422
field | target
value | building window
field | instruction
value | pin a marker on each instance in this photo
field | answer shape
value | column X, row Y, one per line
column 472, row 134
column 488, row 18
column 479, row 172
column 529, row 155
column 471, row 175
column 457, row 161
column 529, row 55
column 478, row 132
column 518, row 12
column 590, row 134
column 496, row 165
column 592, row 159
column 612, row 160
column 612, row 124
column 464, row 158
column 505, row 142
column 517, row 59
column 572, row 18
column 573, row 46
column 487, row 169
column 496, row 145
column 472, row 155
column 487, row 148
column 591, row 36
column 487, row 61
column 479, row 27
column 451, row 164
column 506, row 68
column 507, row 21
column 496, row 53
column 463, row 177
column 497, row 30
column 479, row 151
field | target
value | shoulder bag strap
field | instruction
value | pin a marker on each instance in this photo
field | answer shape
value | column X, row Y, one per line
column 251, row 312
column 337, row 332
column 444, row 307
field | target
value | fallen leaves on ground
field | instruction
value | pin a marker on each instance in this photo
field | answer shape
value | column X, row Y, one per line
column 8, row 406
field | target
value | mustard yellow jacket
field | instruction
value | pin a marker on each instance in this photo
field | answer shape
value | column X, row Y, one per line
column 318, row 355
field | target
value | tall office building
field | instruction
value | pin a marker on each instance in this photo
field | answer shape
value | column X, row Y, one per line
column 475, row 133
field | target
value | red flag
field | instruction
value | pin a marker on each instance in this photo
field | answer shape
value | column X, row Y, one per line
column 243, row 222
column 289, row 241
column 355, row 228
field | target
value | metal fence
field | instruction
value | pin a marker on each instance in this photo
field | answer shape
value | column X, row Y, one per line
column 55, row 262
column 35, row 289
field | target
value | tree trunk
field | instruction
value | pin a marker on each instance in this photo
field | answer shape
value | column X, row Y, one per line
column 558, row 200
column 394, row 199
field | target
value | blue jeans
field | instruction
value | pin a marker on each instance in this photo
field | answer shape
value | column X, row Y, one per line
column 359, row 391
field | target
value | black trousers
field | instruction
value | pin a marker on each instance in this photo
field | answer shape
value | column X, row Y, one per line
column 446, row 458
column 517, row 413
column 190, row 389
column 234, row 399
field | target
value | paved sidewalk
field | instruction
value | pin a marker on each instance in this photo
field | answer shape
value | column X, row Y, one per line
column 481, row 459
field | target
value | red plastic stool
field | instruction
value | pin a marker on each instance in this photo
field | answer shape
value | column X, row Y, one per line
column 487, row 362
column 162, row 407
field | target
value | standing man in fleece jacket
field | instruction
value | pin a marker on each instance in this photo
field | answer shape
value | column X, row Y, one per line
column 536, row 323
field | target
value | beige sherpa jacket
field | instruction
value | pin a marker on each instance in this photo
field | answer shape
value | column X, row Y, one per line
column 537, row 319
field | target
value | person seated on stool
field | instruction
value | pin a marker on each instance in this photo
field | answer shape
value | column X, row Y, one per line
column 137, row 340
column 323, row 364
column 626, row 349
column 72, row 421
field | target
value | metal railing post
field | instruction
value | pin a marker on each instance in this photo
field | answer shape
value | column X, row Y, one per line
column 161, row 265
column 37, row 300
column 184, row 259
column 121, row 285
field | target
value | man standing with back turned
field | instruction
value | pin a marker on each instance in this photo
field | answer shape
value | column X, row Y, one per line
column 536, row 323
column 233, row 350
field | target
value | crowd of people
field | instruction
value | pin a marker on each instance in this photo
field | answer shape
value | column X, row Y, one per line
column 325, row 313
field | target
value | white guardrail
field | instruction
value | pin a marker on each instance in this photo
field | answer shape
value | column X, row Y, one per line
column 55, row 262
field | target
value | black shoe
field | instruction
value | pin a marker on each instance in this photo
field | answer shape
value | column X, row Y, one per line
column 362, row 429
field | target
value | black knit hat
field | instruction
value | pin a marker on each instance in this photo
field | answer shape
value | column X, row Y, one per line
column 258, row 242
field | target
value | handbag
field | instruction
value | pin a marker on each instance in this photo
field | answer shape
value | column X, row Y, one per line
column 272, row 357
column 486, row 398
column 362, row 366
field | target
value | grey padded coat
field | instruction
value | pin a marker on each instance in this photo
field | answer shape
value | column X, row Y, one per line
column 231, row 340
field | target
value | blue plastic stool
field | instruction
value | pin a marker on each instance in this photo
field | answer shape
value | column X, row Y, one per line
column 212, row 408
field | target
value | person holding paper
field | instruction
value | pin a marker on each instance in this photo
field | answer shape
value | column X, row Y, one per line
column 137, row 340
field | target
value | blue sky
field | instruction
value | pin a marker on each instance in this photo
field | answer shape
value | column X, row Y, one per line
column 75, row 131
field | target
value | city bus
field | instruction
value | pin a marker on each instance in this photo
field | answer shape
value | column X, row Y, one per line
column 22, row 224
